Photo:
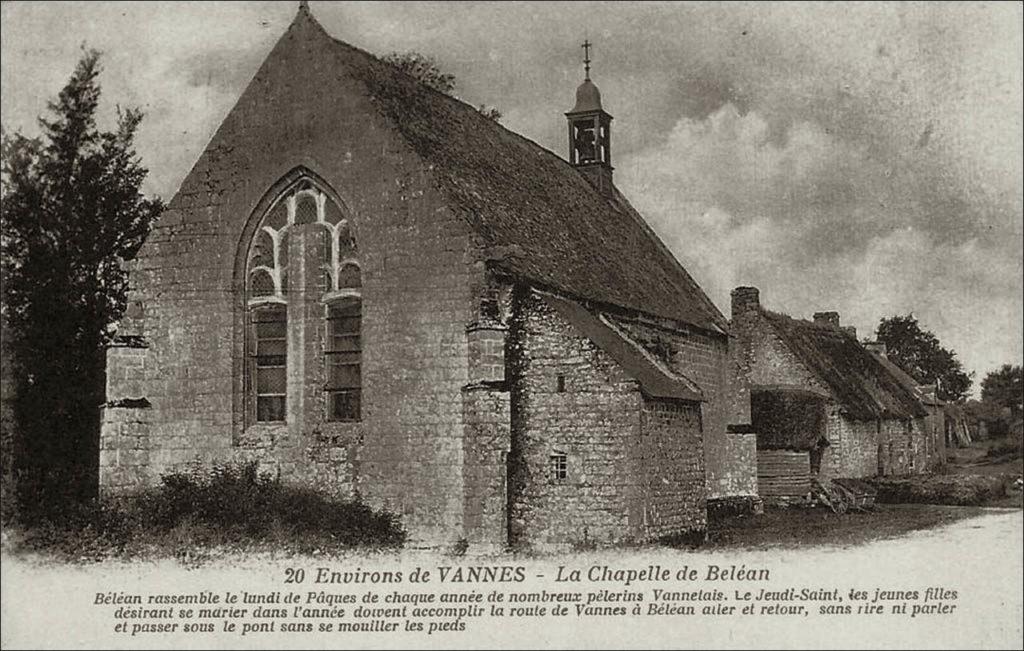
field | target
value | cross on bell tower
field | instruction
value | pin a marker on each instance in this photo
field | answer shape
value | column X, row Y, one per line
column 590, row 144
column 586, row 58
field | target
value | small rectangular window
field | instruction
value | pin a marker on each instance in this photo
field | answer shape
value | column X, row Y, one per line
column 559, row 466
column 561, row 384
column 270, row 362
column 343, row 355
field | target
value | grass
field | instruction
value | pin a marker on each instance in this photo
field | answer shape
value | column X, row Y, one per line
column 195, row 517
column 988, row 456
column 191, row 516
column 1006, row 449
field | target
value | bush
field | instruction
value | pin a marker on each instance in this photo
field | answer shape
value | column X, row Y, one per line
column 1008, row 449
column 233, row 506
column 952, row 490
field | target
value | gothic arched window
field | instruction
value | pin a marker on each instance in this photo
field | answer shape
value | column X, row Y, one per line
column 303, row 230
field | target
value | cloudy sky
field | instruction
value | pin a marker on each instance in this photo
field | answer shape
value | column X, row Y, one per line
column 864, row 158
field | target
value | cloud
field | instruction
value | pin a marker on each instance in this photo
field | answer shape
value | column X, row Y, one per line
column 819, row 223
column 861, row 156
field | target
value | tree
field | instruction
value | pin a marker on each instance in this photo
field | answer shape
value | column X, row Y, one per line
column 988, row 413
column 72, row 214
column 919, row 353
column 427, row 71
column 1005, row 388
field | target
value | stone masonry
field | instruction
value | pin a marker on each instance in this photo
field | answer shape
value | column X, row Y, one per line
column 857, row 448
column 484, row 417
column 708, row 360
column 635, row 468
column 420, row 274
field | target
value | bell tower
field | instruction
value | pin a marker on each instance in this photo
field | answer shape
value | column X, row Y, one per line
column 590, row 142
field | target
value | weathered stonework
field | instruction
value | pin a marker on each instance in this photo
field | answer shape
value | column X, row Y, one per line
column 857, row 447
column 486, row 445
column 671, row 471
column 635, row 467
column 706, row 358
column 465, row 389
column 420, row 278
column 853, row 449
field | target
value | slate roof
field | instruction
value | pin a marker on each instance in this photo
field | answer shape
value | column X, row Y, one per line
column 655, row 381
column 858, row 381
column 539, row 218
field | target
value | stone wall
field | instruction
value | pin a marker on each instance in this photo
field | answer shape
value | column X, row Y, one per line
column 487, row 437
column 879, row 447
column 857, row 448
column 486, row 444
column 853, row 449
column 732, row 467
column 668, row 463
column 570, row 398
column 422, row 276
column 592, row 423
column 125, row 420
column 705, row 358
column 934, row 432
column 896, row 447
column 765, row 358
column 908, row 447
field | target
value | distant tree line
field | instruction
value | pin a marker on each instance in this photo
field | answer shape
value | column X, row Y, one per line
column 920, row 354
column 1002, row 399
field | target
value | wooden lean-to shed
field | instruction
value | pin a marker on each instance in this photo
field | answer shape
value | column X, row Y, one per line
column 790, row 429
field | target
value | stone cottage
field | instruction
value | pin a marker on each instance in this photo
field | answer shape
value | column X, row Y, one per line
column 932, row 428
column 367, row 286
column 821, row 404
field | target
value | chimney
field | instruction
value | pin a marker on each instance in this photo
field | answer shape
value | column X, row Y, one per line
column 876, row 347
column 830, row 319
column 850, row 330
column 745, row 299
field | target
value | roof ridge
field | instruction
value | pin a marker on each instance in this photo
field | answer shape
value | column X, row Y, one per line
column 647, row 354
column 824, row 327
column 445, row 96
column 871, row 370
column 653, row 378
column 511, row 189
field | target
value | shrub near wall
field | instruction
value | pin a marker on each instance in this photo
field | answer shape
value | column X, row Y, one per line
column 230, row 506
